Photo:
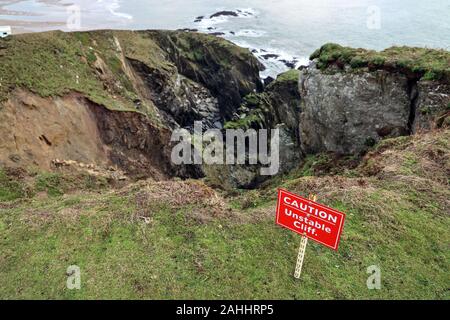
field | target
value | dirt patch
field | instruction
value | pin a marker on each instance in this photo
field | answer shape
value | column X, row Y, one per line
column 74, row 129
column 202, row 203
column 45, row 129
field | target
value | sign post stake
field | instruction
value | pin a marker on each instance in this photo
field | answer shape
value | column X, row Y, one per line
column 301, row 257
column 302, row 249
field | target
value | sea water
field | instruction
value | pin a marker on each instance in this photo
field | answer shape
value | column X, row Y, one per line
column 279, row 30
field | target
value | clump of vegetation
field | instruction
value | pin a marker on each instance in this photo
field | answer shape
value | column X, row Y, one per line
column 291, row 75
column 253, row 112
column 10, row 188
column 257, row 109
column 22, row 184
column 419, row 63
column 425, row 156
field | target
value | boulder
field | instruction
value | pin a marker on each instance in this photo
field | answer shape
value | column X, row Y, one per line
column 346, row 112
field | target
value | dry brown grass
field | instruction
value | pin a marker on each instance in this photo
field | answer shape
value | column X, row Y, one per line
column 201, row 202
column 425, row 155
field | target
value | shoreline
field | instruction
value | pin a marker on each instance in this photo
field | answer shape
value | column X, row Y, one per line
column 52, row 15
column 19, row 26
column 22, row 26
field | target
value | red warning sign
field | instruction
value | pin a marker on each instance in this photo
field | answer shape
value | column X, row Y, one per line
column 310, row 219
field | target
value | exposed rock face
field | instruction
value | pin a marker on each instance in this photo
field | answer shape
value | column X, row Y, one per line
column 134, row 143
column 76, row 129
column 347, row 112
column 432, row 106
column 278, row 107
column 114, row 97
column 340, row 109
column 227, row 71
column 36, row 130
column 180, row 99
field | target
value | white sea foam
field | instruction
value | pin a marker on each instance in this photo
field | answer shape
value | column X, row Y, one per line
column 250, row 33
column 247, row 12
column 113, row 8
column 274, row 59
column 206, row 22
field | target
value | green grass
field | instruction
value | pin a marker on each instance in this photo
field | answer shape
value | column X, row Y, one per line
column 258, row 105
column 57, row 63
column 173, row 255
column 427, row 64
column 291, row 75
column 9, row 188
column 52, row 184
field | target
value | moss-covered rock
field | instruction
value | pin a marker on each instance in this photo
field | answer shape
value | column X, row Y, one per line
column 353, row 98
column 278, row 107
column 279, row 103
column 416, row 63
column 228, row 71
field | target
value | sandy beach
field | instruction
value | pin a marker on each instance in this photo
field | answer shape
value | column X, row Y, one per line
column 23, row 24
column 41, row 15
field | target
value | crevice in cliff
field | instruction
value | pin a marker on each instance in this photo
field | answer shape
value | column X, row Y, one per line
column 413, row 93
column 228, row 72
column 136, row 145
column 45, row 139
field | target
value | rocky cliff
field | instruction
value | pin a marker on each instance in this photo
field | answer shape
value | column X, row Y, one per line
column 80, row 113
column 113, row 97
column 346, row 101
column 353, row 98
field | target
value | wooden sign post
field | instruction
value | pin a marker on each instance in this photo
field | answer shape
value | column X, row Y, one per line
column 302, row 249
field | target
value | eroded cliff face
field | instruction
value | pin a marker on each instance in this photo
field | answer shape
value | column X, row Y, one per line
column 37, row 131
column 277, row 107
column 112, row 98
column 432, row 106
column 216, row 64
column 345, row 102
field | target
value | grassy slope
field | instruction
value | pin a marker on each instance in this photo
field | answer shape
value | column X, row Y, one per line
column 55, row 63
column 94, row 63
column 428, row 64
column 162, row 240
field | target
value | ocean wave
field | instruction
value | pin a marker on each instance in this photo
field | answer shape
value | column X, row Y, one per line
column 275, row 60
column 98, row 7
column 249, row 33
column 114, row 6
